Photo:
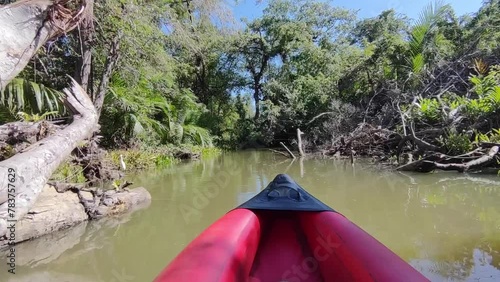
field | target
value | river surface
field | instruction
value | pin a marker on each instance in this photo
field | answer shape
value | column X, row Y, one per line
column 446, row 225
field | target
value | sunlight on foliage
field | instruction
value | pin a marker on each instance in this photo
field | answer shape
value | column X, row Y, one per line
column 31, row 99
column 492, row 136
column 142, row 159
column 35, row 117
column 429, row 110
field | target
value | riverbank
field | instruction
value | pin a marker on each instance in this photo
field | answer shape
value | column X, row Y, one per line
column 107, row 165
column 423, row 151
column 88, row 184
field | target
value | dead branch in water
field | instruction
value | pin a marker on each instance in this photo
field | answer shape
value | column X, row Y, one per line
column 299, row 143
column 279, row 152
column 288, row 150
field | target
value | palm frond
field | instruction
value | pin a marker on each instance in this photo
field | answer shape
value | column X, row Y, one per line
column 430, row 13
column 418, row 63
column 197, row 135
column 21, row 95
column 419, row 37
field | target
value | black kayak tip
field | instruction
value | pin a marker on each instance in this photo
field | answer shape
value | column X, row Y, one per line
column 283, row 193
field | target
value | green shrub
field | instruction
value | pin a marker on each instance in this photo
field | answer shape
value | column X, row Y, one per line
column 487, row 89
column 430, row 110
column 492, row 136
column 456, row 143
column 156, row 157
column 70, row 173
column 162, row 161
column 138, row 159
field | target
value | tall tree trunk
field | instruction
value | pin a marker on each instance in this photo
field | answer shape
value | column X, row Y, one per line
column 86, row 38
column 256, row 97
column 24, row 28
column 111, row 60
column 25, row 174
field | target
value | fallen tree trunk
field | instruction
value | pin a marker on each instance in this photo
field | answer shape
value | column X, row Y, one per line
column 17, row 136
column 25, row 174
column 26, row 26
column 471, row 164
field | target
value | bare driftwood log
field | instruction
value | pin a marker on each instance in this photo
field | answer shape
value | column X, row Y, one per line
column 471, row 164
column 26, row 27
column 422, row 165
column 443, row 162
column 30, row 170
column 423, row 145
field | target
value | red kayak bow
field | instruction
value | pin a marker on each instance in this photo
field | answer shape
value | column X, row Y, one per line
column 285, row 234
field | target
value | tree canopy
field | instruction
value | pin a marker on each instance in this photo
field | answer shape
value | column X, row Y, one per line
column 182, row 71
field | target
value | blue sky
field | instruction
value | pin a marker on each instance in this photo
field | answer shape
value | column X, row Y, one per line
column 367, row 8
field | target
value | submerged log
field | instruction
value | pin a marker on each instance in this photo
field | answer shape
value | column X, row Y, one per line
column 279, row 152
column 25, row 174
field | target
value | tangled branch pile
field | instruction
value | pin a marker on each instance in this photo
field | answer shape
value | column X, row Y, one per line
column 414, row 152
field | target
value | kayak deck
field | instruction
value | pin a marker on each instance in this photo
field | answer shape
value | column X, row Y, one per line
column 306, row 246
column 284, row 252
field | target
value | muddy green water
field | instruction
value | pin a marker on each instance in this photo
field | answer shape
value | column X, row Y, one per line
column 446, row 225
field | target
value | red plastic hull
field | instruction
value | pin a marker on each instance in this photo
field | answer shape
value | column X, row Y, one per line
column 292, row 246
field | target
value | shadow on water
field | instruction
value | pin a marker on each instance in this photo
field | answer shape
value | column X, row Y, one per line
column 447, row 225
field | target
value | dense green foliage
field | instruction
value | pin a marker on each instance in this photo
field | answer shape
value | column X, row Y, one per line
column 185, row 74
